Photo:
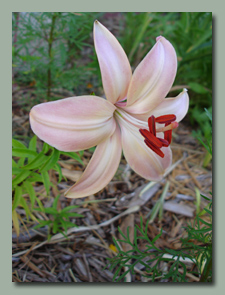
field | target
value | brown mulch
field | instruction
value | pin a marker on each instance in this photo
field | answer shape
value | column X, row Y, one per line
column 82, row 255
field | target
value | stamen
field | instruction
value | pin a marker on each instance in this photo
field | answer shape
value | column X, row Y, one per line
column 156, row 143
column 165, row 119
column 164, row 142
column 151, row 138
column 151, row 125
column 155, row 149
column 168, row 126
column 168, row 134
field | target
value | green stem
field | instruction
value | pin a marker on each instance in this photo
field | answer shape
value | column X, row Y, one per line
column 204, row 277
column 50, row 41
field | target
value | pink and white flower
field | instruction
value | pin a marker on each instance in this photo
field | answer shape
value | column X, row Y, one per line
column 135, row 107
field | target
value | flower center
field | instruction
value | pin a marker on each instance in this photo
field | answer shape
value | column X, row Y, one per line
column 156, row 143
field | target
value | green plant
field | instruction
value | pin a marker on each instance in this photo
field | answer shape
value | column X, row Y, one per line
column 196, row 247
column 60, row 219
column 28, row 167
column 47, row 47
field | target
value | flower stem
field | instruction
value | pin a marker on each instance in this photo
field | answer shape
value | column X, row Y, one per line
column 50, row 41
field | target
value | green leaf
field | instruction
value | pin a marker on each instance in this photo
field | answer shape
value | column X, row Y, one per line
column 17, row 197
column 197, row 88
column 69, row 208
column 206, row 198
column 16, row 170
column 21, row 161
column 20, row 177
column 139, row 36
column 42, row 223
column 59, row 170
column 208, row 211
column 55, row 202
column 208, row 114
column 46, row 181
column 45, row 148
column 41, row 207
column 37, row 162
column 74, row 156
column 14, row 164
column 33, row 143
column 31, row 192
column 35, row 177
column 52, row 211
column 26, row 208
column 55, row 227
column 19, row 152
column 52, row 160
column 18, row 144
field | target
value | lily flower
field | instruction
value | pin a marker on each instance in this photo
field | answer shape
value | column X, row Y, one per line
column 135, row 116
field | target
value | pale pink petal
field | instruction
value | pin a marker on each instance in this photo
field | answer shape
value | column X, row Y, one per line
column 153, row 78
column 74, row 123
column 141, row 159
column 115, row 68
column 100, row 169
column 174, row 105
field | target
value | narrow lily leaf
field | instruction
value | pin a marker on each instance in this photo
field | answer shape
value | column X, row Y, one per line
column 19, row 152
column 74, row 156
column 37, row 162
column 16, row 170
column 81, row 153
column 46, row 181
column 33, row 143
column 17, row 197
column 35, row 177
column 32, row 146
column 45, row 148
column 14, row 164
column 42, row 223
column 20, row 177
column 21, row 161
column 59, row 170
column 18, row 144
column 26, row 208
column 52, row 160
column 41, row 207
column 69, row 208
column 31, row 192
column 51, row 211
column 55, row 202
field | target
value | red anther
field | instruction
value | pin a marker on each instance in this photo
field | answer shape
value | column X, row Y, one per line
column 151, row 125
column 154, row 148
column 168, row 134
column 165, row 119
column 151, row 138
column 163, row 141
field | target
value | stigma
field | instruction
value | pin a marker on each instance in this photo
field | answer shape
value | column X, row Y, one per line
column 151, row 140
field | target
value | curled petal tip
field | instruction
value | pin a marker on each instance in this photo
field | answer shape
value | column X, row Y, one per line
column 158, row 38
